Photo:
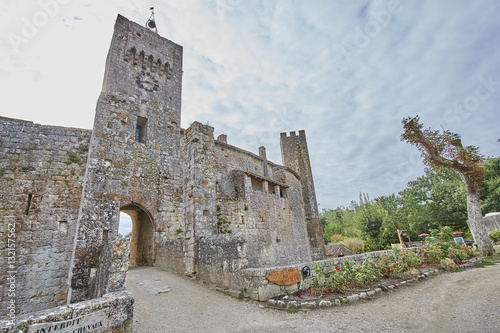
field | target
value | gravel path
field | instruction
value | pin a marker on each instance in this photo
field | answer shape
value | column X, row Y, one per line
column 467, row 301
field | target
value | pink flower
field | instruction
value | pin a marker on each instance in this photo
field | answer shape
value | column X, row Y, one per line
column 308, row 291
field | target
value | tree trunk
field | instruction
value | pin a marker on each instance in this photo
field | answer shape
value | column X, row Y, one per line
column 476, row 226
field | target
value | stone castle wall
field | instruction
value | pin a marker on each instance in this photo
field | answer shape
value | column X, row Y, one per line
column 198, row 205
column 41, row 177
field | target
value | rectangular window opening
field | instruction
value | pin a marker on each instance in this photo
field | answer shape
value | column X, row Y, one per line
column 141, row 130
column 270, row 188
column 256, row 184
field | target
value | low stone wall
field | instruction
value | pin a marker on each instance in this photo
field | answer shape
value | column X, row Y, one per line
column 256, row 285
column 491, row 222
column 111, row 313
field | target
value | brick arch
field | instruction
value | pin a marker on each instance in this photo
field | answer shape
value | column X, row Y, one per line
column 142, row 246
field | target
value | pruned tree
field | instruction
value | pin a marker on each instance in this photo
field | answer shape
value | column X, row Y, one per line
column 445, row 150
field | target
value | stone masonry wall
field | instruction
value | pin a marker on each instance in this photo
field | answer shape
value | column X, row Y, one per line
column 41, row 179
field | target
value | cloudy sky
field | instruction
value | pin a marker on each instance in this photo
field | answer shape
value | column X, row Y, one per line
column 346, row 72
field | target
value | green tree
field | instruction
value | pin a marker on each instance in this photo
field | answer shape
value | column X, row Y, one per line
column 371, row 216
column 490, row 189
column 435, row 200
column 445, row 150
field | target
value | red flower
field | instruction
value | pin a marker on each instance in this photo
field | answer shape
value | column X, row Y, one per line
column 299, row 296
column 388, row 268
column 308, row 291
column 337, row 268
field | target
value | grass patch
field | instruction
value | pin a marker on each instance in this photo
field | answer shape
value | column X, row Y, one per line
column 489, row 261
column 73, row 158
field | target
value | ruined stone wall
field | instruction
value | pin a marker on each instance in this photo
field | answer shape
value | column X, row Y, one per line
column 134, row 151
column 41, row 179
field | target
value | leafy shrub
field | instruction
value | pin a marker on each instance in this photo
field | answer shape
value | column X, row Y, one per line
column 495, row 236
column 433, row 254
column 349, row 276
column 336, row 238
column 355, row 244
column 448, row 264
column 410, row 260
column 457, row 254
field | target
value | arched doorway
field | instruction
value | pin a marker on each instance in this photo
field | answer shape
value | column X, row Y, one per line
column 141, row 237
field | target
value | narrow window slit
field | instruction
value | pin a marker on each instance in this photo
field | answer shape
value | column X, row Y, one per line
column 141, row 130
column 28, row 206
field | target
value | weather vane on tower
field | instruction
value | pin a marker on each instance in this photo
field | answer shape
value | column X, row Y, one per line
column 151, row 24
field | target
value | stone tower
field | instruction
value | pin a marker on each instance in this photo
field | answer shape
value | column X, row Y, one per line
column 133, row 161
column 295, row 155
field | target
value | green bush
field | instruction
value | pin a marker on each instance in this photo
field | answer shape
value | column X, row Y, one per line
column 448, row 264
column 336, row 238
column 433, row 254
column 495, row 236
column 355, row 244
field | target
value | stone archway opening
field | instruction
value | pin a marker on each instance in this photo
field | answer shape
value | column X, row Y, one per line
column 141, row 236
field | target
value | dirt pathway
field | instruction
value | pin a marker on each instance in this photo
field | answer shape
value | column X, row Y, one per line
column 467, row 301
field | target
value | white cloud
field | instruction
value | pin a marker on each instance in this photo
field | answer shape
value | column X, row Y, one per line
column 256, row 68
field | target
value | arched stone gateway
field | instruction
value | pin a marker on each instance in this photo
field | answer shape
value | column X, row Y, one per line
column 142, row 236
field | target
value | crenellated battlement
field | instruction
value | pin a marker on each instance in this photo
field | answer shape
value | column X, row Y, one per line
column 148, row 62
column 293, row 134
